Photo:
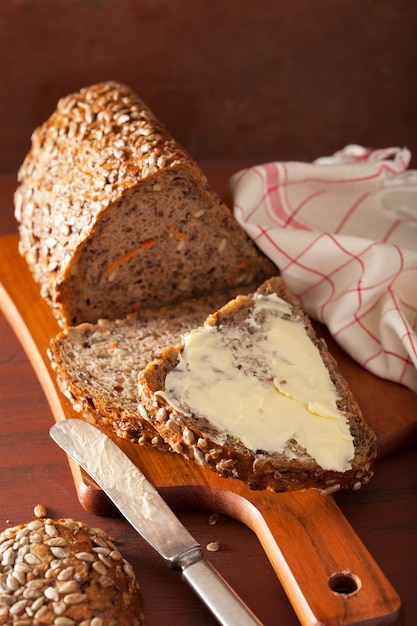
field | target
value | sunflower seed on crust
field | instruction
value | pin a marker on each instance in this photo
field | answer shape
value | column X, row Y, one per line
column 47, row 588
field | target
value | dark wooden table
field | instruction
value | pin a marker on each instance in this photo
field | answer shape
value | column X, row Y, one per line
column 34, row 470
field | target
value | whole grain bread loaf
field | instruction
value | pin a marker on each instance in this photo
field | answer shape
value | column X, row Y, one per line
column 62, row 572
column 192, row 433
column 96, row 365
column 115, row 215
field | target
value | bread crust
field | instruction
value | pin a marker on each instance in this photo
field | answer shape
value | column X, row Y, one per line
column 65, row 569
column 198, row 440
column 114, row 215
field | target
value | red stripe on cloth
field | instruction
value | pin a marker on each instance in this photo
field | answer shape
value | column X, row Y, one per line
column 292, row 260
column 403, row 359
column 359, row 289
column 351, row 212
column 383, row 167
column 260, row 173
column 408, row 335
column 291, row 221
column 398, row 223
column 275, row 202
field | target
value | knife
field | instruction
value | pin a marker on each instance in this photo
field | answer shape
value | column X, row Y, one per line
column 143, row 507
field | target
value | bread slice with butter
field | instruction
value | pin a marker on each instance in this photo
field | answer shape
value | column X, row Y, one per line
column 254, row 394
column 96, row 365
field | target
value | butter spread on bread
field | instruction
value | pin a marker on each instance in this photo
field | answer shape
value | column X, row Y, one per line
column 254, row 394
column 264, row 382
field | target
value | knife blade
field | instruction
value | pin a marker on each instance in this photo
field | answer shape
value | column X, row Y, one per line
column 144, row 508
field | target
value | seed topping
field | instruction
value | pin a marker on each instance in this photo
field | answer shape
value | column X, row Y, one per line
column 39, row 510
column 50, row 585
column 213, row 519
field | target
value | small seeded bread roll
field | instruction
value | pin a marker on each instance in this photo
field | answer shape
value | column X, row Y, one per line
column 96, row 365
column 190, row 431
column 114, row 215
column 64, row 574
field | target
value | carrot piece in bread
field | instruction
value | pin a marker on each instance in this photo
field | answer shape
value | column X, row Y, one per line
column 182, row 236
column 144, row 245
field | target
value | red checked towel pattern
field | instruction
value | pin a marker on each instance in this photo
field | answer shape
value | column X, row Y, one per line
column 343, row 233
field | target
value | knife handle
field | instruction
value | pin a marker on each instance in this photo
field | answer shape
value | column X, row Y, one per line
column 218, row 596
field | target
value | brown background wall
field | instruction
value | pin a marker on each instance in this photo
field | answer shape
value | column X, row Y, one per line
column 231, row 79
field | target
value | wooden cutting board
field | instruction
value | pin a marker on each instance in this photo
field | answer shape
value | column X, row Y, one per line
column 326, row 571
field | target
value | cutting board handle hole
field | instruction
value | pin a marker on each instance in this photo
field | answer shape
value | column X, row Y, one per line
column 344, row 583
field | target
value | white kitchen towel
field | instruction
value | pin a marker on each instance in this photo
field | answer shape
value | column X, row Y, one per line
column 343, row 233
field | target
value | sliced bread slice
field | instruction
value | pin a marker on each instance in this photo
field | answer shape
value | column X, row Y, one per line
column 96, row 365
column 255, row 395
